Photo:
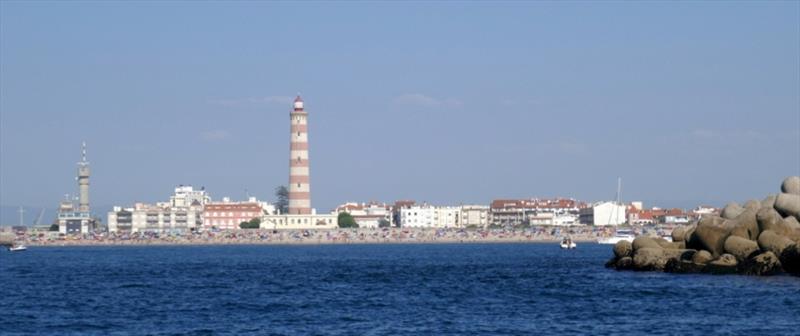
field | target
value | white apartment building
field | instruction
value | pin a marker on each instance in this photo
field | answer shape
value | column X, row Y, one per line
column 185, row 196
column 427, row 216
column 154, row 218
column 475, row 215
column 183, row 212
column 604, row 213
column 416, row 216
column 447, row 217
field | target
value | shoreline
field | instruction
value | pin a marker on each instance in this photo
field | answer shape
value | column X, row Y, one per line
column 303, row 243
column 538, row 235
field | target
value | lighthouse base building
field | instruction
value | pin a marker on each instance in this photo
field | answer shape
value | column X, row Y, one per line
column 299, row 222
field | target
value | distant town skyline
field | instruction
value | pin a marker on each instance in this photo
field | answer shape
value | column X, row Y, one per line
column 445, row 103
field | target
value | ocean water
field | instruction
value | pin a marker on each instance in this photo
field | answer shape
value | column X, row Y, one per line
column 446, row 289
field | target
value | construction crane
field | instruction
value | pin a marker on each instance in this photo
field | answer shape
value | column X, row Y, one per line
column 39, row 218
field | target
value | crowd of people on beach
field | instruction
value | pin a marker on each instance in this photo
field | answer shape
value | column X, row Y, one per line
column 338, row 236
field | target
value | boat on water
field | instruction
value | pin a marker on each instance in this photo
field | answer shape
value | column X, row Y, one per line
column 18, row 248
column 619, row 236
column 567, row 243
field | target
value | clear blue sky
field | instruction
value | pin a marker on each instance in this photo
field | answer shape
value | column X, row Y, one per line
column 440, row 102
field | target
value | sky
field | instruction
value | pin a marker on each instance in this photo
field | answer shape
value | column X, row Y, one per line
column 445, row 102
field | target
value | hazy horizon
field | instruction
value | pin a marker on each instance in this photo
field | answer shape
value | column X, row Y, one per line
column 445, row 103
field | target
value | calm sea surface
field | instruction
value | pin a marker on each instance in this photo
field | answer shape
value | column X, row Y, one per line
column 376, row 290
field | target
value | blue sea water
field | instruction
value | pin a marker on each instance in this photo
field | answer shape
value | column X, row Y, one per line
column 444, row 289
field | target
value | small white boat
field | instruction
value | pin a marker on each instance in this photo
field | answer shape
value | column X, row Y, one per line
column 567, row 243
column 18, row 248
column 620, row 235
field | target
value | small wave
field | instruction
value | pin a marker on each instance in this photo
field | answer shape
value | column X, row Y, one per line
column 136, row 285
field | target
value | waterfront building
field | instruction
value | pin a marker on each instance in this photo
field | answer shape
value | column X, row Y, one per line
column 159, row 217
column 674, row 216
column 228, row 215
column 705, row 210
column 603, row 213
column 367, row 215
column 74, row 220
column 475, row 216
column 396, row 209
column 300, row 213
column 516, row 212
column 185, row 196
column 183, row 212
column 638, row 216
column 447, row 217
column 416, row 216
column 427, row 216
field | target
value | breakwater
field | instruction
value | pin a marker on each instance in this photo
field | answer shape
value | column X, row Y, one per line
column 758, row 238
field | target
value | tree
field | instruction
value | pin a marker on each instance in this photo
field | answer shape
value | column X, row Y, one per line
column 54, row 227
column 383, row 223
column 347, row 221
column 254, row 223
column 282, row 199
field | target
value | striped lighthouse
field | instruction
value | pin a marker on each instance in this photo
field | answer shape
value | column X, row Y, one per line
column 299, row 182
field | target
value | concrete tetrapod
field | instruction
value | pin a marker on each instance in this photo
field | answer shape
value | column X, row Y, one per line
column 731, row 210
column 745, row 225
column 788, row 205
column 678, row 234
column 790, row 259
column 741, row 248
column 649, row 259
column 702, row 257
column 770, row 219
column 769, row 201
column 725, row 264
column 791, row 185
column 770, row 241
column 644, row 242
column 622, row 249
column 709, row 237
column 765, row 263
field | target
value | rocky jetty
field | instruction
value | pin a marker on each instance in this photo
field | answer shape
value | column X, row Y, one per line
column 757, row 238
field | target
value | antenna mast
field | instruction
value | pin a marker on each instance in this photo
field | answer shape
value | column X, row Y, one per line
column 83, row 155
column 21, row 211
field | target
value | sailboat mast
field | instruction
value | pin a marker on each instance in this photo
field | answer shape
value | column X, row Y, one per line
column 619, row 195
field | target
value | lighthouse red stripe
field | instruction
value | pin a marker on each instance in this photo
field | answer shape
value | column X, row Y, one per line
column 299, row 128
column 298, row 179
column 298, row 146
